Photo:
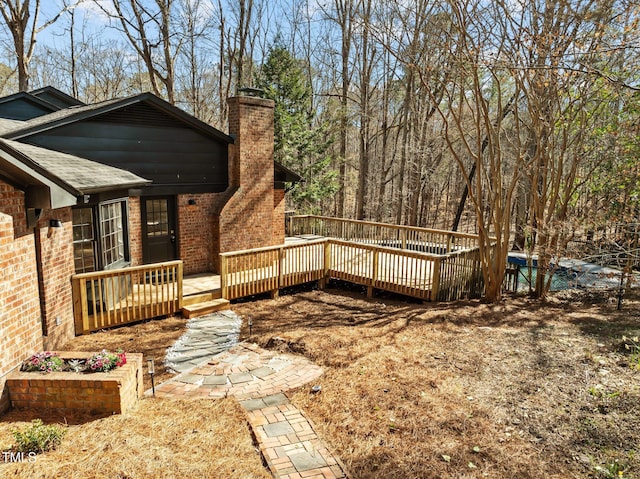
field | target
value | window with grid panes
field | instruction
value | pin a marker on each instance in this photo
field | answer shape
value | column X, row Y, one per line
column 157, row 218
column 112, row 233
column 84, row 245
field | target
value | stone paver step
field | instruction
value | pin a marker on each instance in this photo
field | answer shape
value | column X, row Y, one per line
column 205, row 337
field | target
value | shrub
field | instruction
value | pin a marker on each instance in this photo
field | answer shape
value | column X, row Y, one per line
column 38, row 437
column 46, row 362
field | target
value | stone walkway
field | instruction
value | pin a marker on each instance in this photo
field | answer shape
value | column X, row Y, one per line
column 258, row 379
column 206, row 336
column 288, row 442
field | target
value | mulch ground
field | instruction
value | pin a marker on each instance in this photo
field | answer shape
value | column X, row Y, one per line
column 456, row 390
column 519, row 389
column 159, row 439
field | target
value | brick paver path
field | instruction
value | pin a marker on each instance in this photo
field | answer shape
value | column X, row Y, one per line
column 258, row 379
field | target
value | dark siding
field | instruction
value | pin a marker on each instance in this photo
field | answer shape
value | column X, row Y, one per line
column 21, row 109
column 177, row 159
column 139, row 114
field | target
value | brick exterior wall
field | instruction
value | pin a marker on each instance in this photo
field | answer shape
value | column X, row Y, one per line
column 20, row 326
column 55, row 246
column 195, row 228
column 278, row 216
column 247, row 219
column 135, row 231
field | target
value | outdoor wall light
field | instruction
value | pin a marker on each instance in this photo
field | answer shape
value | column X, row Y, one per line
column 250, row 327
column 152, row 370
column 192, row 202
column 55, row 223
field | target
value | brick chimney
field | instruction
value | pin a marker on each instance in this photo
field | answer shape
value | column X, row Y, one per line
column 246, row 220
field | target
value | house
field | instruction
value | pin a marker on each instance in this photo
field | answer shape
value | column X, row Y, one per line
column 122, row 183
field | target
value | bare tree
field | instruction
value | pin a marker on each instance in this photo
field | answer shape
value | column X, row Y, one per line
column 563, row 103
column 21, row 19
column 367, row 58
column 149, row 28
column 343, row 14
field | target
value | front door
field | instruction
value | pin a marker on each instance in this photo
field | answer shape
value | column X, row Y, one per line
column 159, row 229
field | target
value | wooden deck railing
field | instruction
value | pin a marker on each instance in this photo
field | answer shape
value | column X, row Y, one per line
column 104, row 299
column 413, row 238
column 410, row 273
column 260, row 270
column 460, row 275
column 422, row 275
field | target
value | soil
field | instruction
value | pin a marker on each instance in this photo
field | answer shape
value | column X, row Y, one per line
column 450, row 390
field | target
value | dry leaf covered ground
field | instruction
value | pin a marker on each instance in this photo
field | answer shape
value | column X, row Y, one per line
column 160, row 439
column 456, row 390
column 467, row 389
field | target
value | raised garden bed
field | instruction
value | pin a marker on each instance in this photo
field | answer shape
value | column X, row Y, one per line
column 112, row 392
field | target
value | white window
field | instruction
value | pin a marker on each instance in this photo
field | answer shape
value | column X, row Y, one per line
column 100, row 236
column 112, row 233
column 84, row 245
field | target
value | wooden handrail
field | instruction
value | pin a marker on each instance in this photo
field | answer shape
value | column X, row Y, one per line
column 128, row 269
column 390, row 226
column 271, row 248
column 387, row 249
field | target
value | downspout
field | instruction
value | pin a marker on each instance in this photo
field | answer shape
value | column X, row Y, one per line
column 43, row 309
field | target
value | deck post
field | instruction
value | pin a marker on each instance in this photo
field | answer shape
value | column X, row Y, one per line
column 80, row 311
column 223, row 276
column 403, row 238
column 274, row 293
column 326, row 264
column 435, row 282
column 374, row 273
column 179, row 274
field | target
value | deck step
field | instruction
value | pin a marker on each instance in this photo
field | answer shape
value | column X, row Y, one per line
column 201, row 297
column 205, row 307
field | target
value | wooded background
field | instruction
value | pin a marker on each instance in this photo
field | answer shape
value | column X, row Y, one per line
column 513, row 119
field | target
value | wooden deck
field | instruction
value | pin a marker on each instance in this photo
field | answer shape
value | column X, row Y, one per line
column 428, row 264
column 426, row 276
column 200, row 283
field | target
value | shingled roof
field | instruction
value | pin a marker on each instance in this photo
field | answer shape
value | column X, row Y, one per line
column 55, row 97
column 9, row 125
column 77, row 175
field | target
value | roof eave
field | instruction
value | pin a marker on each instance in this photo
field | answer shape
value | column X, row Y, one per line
column 41, row 190
column 90, row 190
column 290, row 175
column 32, row 98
